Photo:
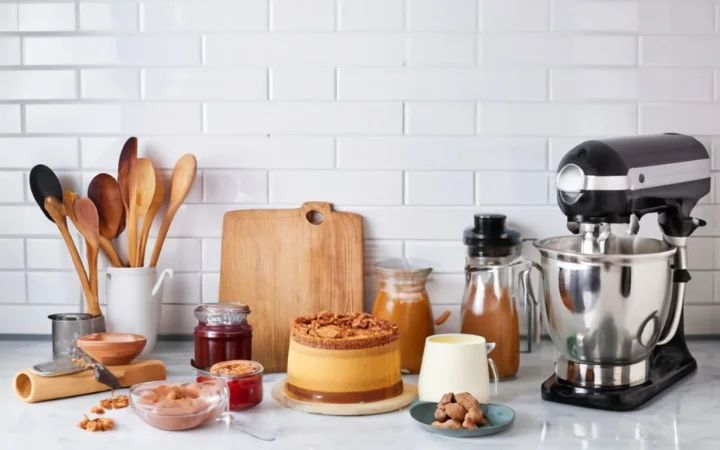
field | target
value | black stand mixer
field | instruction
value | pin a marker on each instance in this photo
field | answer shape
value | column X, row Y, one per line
column 613, row 304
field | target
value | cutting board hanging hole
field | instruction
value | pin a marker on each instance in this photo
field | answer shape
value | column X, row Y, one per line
column 315, row 217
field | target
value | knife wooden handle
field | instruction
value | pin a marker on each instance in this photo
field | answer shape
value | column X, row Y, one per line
column 33, row 388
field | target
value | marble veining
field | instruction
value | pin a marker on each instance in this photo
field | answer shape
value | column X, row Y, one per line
column 686, row 417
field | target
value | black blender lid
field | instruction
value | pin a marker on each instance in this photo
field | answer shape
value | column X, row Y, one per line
column 490, row 230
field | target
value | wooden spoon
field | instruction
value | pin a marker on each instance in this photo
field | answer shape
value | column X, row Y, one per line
column 69, row 199
column 104, row 191
column 183, row 177
column 48, row 194
column 56, row 210
column 142, row 192
column 88, row 225
column 44, row 183
column 126, row 169
column 126, row 165
column 157, row 201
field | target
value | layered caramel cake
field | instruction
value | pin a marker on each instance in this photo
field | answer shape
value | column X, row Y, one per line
column 343, row 358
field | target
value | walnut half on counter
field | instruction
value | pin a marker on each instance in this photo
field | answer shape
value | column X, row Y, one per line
column 458, row 412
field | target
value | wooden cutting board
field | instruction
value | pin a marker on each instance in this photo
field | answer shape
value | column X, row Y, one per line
column 287, row 263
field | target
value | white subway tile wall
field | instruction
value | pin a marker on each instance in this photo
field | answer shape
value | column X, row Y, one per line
column 414, row 113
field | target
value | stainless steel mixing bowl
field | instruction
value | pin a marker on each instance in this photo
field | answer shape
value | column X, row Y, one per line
column 606, row 308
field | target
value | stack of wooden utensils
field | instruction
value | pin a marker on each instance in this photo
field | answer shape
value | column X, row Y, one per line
column 110, row 207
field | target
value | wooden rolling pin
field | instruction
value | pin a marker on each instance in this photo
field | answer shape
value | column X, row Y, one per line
column 33, row 388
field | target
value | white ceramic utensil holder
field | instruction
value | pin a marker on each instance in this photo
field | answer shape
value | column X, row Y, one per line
column 134, row 298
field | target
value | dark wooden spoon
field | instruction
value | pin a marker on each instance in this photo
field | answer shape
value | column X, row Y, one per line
column 104, row 192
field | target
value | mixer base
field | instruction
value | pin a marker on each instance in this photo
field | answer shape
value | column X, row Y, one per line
column 668, row 364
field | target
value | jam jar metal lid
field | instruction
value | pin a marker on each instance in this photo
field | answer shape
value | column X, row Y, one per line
column 222, row 313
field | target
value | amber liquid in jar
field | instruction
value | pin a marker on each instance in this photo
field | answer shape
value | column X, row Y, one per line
column 498, row 322
column 403, row 300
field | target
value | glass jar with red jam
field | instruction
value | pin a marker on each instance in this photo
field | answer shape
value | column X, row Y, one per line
column 223, row 334
column 244, row 380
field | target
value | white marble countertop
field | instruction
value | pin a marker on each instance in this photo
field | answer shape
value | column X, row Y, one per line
column 687, row 417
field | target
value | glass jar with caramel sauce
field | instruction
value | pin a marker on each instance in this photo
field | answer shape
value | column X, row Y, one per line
column 403, row 300
column 497, row 284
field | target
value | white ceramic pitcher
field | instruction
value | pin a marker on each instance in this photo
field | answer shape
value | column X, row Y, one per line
column 456, row 363
column 134, row 297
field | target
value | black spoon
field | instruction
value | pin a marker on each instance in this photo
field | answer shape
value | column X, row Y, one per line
column 44, row 183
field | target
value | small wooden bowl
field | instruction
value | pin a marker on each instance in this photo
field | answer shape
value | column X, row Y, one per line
column 112, row 349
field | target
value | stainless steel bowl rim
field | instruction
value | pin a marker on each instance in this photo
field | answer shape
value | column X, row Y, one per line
column 547, row 250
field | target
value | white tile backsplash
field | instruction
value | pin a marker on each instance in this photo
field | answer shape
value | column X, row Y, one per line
column 13, row 284
column 9, row 51
column 12, row 187
column 595, row 15
column 320, row 118
column 46, row 16
column 371, row 15
column 114, row 16
column 349, row 187
column 12, row 254
column 37, row 84
column 8, row 17
column 430, row 49
column 303, row 15
column 204, row 15
column 502, row 15
column 237, row 186
column 205, row 84
column 151, row 118
column 436, row 118
column 130, row 50
column 415, row 114
column 60, row 288
column 49, row 253
column 313, row 49
column 435, row 15
column 441, row 84
column 511, row 188
column 110, row 84
column 302, row 83
column 438, row 188
column 10, row 119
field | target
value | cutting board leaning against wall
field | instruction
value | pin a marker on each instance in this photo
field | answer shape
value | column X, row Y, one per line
column 287, row 263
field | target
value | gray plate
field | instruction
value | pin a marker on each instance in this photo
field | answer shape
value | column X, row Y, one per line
column 500, row 418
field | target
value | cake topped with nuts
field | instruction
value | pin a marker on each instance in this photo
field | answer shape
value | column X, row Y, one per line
column 343, row 331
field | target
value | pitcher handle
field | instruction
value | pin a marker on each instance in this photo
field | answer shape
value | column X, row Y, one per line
column 496, row 378
column 165, row 273
column 490, row 346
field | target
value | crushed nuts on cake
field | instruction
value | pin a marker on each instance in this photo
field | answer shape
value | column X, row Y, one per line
column 343, row 325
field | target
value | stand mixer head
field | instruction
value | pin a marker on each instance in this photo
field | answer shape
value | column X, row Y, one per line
column 612, row 302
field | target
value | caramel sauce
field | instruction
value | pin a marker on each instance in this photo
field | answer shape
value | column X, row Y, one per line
column 497, row 321
column 344, row 397
column 408, row 307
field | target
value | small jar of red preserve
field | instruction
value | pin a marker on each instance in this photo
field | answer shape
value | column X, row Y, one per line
column 223, row 334
column 244, row 380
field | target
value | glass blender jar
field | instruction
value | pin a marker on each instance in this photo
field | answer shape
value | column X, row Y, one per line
column 497, row 281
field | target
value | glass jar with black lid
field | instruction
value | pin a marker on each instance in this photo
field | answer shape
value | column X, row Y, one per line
column 222, row 334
